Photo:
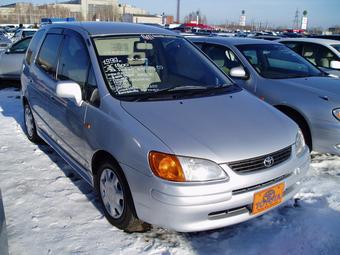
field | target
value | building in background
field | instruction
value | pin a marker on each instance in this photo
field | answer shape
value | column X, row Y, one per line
column 334, row 30
column 130, row 9
column 142, row 18
column 169, row 19
column 89, row 10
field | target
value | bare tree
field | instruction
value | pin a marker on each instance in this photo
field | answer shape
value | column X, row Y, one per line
column 196, row 16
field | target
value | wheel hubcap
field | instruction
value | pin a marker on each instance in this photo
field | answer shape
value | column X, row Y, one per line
column 29, row 121
column 112, row 193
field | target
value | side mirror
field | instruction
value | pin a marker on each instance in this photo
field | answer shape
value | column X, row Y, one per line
column 238, row 72
column 69, row 89
column 335, row 64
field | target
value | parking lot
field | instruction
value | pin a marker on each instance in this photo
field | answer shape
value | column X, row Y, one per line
column 51, row 210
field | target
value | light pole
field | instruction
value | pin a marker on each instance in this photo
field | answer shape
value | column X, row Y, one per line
column 178, row 10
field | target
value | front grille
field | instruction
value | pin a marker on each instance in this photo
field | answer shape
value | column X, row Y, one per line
column 256, row 164
column 261, row 185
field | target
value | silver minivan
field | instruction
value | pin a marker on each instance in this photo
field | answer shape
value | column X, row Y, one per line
column 161, row 133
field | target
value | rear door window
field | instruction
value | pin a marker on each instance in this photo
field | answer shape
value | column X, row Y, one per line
column 33, row 47
column 310, row 52
column 325, row 57
column 295, row 46
column 48, row 55
column 251, row 56
column 222, row 56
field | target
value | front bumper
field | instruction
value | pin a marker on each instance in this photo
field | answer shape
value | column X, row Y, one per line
column 204, row 206
column 326, row 137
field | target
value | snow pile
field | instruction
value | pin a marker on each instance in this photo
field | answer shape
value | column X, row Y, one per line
column 51, row 210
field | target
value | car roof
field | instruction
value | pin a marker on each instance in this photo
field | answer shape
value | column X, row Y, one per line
column 108, row 28
column 229, row 40
column 311, row 40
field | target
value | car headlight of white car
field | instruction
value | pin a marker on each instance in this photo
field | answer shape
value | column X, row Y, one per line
column 185, row 169
column 300, row 143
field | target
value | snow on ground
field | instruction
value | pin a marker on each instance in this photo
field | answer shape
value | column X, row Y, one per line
column 51, row 210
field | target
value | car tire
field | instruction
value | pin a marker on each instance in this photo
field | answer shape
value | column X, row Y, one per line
column 30, row 127
column 116, row 199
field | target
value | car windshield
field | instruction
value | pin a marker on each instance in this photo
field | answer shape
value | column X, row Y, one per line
column 275, row 61
column 336, row 46
column 143, row 65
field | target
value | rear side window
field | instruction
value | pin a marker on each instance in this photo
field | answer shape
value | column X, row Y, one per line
column 47, row 58
column 74, row 60
column 251, row 56
column 325, row 57
column 33, row 47
column 294, row 46
column 222, row 56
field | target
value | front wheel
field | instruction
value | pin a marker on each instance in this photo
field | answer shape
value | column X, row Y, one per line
column 116, row 199
column 31, row 130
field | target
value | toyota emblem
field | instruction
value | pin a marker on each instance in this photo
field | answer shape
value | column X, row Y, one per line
column 269, row 161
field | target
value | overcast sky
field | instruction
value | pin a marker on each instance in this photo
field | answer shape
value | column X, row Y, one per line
column 321, row 13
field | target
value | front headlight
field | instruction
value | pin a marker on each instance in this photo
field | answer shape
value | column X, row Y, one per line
column 185, row 169
column 336, row 113
column 299, row 143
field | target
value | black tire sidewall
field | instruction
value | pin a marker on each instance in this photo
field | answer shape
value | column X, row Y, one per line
column 34, row 138
column 128, row 211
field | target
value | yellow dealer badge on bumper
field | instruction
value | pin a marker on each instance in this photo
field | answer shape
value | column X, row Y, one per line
column 268, row 198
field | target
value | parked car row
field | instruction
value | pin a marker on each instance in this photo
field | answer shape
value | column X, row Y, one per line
column 4, row 43
column 16, row 33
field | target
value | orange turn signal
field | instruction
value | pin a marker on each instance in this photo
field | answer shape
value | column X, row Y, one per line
column 166, row 166
column 337, row 115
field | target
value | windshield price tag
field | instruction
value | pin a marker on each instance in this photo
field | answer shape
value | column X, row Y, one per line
column 147, row 37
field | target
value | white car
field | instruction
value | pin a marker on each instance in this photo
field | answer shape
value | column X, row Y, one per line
column 323, row 53
column 11, row 59
column 22, row 33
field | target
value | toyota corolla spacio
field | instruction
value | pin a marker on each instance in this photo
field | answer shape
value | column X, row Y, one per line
column 160, row 132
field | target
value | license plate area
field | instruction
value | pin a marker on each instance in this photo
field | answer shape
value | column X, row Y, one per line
column 268, row 198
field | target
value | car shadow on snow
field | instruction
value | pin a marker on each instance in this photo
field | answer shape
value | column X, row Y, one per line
column 76, row 179
column 15, row 111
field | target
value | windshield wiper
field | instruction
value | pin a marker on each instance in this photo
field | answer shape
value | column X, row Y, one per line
column 176, row 89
